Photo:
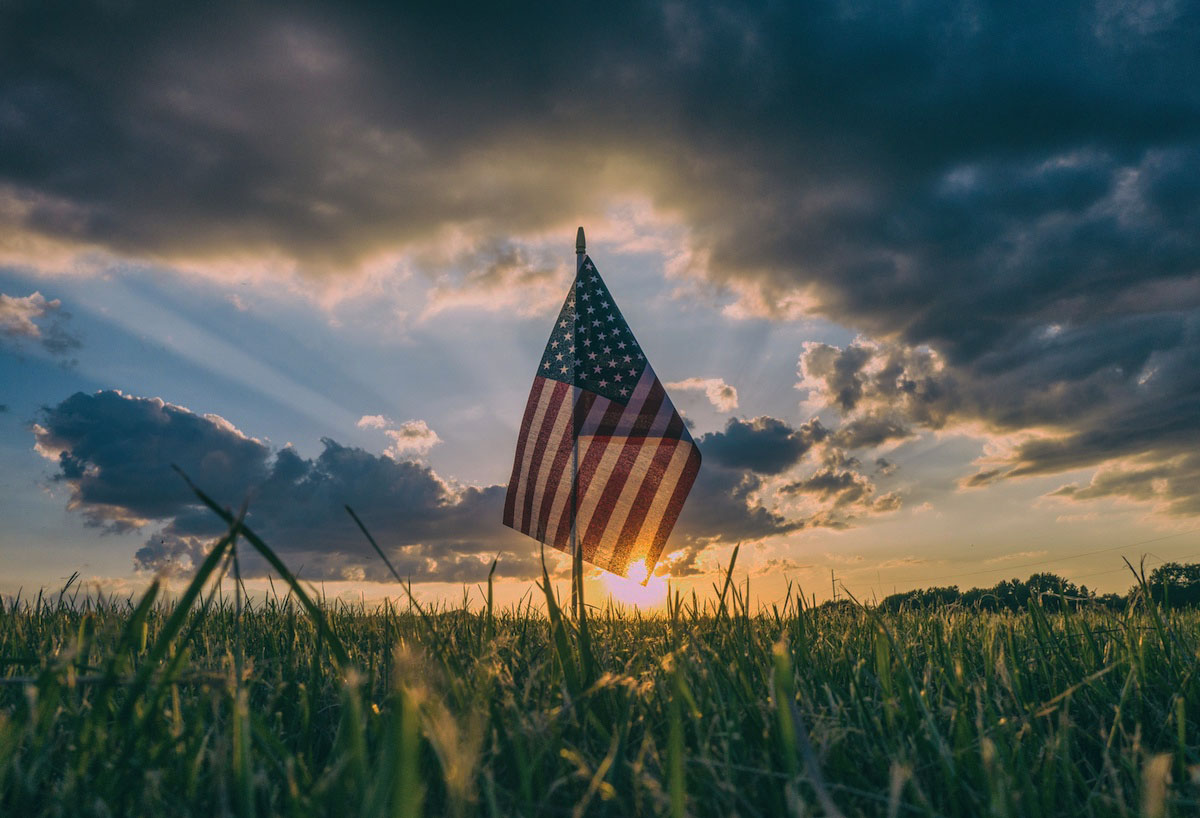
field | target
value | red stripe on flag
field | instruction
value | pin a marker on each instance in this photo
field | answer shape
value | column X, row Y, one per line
column 558, row 438
column 539, row 452
column 510, row 499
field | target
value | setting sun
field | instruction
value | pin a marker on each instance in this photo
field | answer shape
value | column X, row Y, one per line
column 631, row 591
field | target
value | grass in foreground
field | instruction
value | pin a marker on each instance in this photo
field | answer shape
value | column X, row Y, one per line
column 211, row 706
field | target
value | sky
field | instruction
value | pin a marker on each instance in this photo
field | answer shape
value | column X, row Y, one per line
column 923, row 278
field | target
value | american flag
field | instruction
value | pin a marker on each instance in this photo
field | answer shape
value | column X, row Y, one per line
column 635, row 461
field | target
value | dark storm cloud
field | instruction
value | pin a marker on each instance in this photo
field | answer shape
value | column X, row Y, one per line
column 114, row 453
column 726, row 503
column 803, row 143
column 723, row 507
column 843, row 488
column 870, row 430
column 1009, row 189
column 1128, row 387
column 881, row 387
column 322, row 134
column 764, row 445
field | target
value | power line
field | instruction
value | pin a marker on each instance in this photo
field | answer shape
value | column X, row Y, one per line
column 1125, row 568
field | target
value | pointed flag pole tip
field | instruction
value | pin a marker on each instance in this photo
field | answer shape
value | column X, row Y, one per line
column 580, row 244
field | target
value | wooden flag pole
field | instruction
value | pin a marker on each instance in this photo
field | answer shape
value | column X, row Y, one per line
column 576, row 552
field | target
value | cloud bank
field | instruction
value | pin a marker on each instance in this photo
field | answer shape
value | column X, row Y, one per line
column 114, row 453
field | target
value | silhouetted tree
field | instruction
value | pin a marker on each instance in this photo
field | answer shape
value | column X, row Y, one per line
column 1175, row 585
column 1051, row 590
column 921, row 598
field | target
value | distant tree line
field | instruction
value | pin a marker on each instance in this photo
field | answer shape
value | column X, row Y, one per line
column 1172, row 585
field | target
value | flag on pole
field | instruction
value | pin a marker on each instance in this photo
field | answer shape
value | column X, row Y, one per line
column 601, row 444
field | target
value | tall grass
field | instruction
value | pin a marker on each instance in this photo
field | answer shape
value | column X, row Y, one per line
column 216, row 704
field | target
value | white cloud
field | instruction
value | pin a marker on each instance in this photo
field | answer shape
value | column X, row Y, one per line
column 723, row 396
column 411, row 437
column 17, row 315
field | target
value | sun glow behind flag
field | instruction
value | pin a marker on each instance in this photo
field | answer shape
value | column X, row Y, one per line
column 635, row 462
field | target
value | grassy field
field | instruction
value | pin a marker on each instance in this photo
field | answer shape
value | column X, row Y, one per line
column 212, row 705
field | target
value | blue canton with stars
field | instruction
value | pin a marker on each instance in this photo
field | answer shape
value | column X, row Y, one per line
column 592, row 346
